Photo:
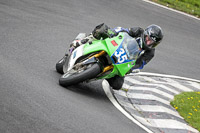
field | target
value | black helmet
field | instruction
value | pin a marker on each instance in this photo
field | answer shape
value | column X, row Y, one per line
column 152, row 36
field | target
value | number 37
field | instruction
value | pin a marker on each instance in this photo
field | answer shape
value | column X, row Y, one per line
column 121, row 57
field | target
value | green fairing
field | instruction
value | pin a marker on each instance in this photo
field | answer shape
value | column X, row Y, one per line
column 110, row 49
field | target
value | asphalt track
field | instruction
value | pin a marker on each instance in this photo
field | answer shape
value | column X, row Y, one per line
column 34, row 35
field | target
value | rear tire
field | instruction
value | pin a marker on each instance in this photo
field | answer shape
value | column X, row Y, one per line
column 59, row 65
column 75, row 78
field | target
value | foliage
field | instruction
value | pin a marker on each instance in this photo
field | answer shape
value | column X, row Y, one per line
column 188, row 106
column 189, row 6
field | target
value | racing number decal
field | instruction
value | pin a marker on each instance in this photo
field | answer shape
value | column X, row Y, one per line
column 121, row 55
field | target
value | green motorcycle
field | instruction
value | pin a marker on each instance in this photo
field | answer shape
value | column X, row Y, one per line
column 99, row 59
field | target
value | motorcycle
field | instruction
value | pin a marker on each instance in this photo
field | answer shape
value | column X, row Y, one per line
column 99, row 59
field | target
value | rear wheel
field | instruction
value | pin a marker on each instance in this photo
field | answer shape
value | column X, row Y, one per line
column 60, row 63
column 81, row 74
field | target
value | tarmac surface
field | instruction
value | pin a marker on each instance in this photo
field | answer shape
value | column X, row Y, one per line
column 35, row 34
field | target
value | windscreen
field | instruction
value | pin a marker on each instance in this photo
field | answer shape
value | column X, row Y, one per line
column 131, row 47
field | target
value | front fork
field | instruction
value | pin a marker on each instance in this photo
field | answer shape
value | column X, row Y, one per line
column 107, row 68
column 93, row 59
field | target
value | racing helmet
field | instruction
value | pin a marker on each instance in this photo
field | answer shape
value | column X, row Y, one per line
column 152, row 36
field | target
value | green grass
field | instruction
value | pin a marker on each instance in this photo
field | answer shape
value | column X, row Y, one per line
column 188, row 106
column 189, row 6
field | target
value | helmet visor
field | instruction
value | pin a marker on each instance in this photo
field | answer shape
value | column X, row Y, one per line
column 148, row 41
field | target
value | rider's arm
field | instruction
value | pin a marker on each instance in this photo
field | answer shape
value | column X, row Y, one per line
column 100, row 31
column 144, row 59
column 103, row 31
column 134, row 32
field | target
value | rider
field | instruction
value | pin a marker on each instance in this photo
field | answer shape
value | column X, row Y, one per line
column 148, row 39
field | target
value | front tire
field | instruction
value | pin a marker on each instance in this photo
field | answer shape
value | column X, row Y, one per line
column 68, row 79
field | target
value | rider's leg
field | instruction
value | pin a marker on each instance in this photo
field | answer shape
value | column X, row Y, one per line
column 116, row 82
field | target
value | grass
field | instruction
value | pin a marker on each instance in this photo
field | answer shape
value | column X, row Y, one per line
column 188, row 6
column 188, row 106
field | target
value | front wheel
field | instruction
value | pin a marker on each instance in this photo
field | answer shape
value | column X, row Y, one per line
column 82, row 74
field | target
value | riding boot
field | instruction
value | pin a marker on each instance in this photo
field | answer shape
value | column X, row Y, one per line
column 116, row 82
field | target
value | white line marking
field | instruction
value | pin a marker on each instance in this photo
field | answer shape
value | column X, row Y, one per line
column 172, row 9
column 196, row 85
column 106, row 88
column 177, row 85
column 149, row 84
column 156, row 108
column 156, row 123
column 170, row 82
column 150, row 108
column 125, row 104
column 147, row 97
column 142, row 120
column 155, row 90
column 165, row 123
column 121, row 93
column 163, row 75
